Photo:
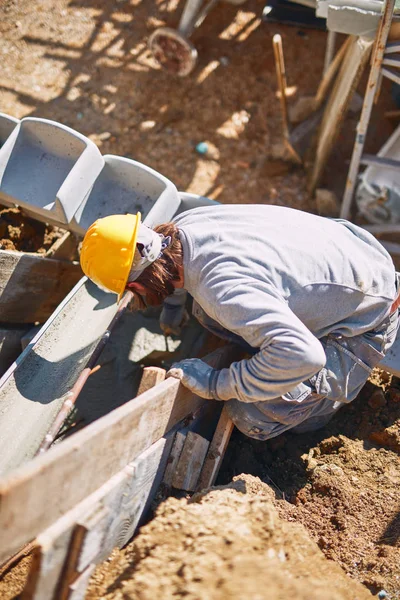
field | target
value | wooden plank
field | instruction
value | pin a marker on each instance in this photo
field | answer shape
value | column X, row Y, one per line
column 173, row 458
column 354, row 62
column 190, row 462
column 85, row 538
column 64, row 248
column 216, row 451
column 330, row 74
column 48, row 560
column 101, row 449
column 31, row 286
column 151, row 376
column 77, row 590
column 88, row 533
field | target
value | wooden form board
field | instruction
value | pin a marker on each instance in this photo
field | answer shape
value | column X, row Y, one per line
column 355, row 59
column 38, row 493
column 190, row 462
column 87, row 534
column 31, row 286
column 216, row 451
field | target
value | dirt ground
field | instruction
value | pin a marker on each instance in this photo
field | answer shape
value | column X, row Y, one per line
column 18, row 232
column 85, row 63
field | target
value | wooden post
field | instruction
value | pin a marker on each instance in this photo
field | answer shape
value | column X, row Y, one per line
column 151, row 376
column 216, row 451
column 190, row 462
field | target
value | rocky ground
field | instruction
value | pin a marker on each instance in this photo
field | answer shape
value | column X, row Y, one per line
column 86, row 64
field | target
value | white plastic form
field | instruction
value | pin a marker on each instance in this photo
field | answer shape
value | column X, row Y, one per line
column 7, row 126
column 47, row 169
column 127, row 186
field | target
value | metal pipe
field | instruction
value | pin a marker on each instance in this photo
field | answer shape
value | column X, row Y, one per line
column 362, row 127
column 71, row 396
column 189, row 17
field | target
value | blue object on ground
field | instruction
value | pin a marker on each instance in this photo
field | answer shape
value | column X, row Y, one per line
column 202, row 147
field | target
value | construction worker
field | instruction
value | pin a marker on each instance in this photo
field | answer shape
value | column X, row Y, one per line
column 313, row 300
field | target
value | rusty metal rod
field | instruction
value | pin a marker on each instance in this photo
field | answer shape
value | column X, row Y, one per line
column 71, row 396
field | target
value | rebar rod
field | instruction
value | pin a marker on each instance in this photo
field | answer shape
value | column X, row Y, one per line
column 362, row 127
column 71, row 396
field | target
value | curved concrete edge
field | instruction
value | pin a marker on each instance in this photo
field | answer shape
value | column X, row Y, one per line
column 32, row 389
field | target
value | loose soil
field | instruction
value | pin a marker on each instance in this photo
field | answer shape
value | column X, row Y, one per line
column 18, row 232
column 227, row 543
column 86, row 64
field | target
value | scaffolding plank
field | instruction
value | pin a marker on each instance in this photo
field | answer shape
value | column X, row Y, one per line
column 91, row 456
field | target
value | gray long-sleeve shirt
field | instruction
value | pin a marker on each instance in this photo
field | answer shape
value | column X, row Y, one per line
column 281, row 279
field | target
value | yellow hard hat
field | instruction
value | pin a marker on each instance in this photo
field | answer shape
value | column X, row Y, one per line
column 108, row 250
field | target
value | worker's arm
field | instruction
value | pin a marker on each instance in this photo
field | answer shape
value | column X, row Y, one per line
column 289, row 353
column 174, row 315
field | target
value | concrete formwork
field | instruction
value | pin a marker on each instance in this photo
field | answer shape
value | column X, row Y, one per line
column 33, row 389
column 47, row 169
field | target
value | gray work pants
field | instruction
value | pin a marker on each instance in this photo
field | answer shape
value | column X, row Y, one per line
column 311, row 404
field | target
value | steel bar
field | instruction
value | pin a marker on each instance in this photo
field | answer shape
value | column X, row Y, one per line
column 377, row 57
column 72, row 395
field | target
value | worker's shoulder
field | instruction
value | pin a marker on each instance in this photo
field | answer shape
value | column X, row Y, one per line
column 239, row 212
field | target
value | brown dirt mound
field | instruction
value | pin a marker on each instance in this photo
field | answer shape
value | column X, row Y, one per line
column 18, row 232
column 342, row 483
column 226, row 543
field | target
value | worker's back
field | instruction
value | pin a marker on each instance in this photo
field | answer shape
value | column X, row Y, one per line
column 333, row 275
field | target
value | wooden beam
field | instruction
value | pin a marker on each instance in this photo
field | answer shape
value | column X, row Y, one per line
column 190, row 462
column 65, row 248
column 91, row 456
column 353, row 64
column 330, row 74
column 216, row 451
column 151, row 376
column 31, row 286
column 174, row 457
column 88, row 533
column 77, row 590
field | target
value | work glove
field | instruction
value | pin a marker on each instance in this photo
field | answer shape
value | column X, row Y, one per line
column 197, row 376
column 174, row 315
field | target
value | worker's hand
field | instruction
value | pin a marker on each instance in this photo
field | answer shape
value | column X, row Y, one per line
column 173, row 318
column 196, row 375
